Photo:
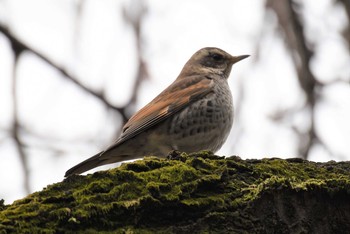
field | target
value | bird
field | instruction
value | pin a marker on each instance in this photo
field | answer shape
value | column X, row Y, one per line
column 193, row 113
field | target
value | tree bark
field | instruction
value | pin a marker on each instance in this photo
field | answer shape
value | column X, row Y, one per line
column 194, row 193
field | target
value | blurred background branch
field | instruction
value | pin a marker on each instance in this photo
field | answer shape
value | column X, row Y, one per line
column 16, row 126
column 132, row 18
column 65, row 74
column 290, row 20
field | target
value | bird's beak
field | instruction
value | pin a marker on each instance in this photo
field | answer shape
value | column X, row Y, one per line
column 236, row 59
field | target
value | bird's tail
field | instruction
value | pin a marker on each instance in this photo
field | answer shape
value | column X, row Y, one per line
column 90, row 163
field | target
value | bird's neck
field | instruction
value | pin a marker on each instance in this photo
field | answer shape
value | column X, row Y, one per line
column 191, row 70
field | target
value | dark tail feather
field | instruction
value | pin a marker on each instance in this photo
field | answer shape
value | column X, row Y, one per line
column 86, row 165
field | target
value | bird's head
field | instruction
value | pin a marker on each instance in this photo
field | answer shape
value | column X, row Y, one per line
column 211, row 60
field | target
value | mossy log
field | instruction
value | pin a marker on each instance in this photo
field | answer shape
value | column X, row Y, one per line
column 198, row 193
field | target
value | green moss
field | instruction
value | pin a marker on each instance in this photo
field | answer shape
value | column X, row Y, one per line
column 199, row 192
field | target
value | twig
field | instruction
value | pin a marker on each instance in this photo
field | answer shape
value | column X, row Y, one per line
column 15, row 124
column 134, row 15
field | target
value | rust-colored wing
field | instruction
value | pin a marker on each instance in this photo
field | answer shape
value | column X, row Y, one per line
column 173, row 99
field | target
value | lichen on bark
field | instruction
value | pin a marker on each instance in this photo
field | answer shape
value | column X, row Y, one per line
column 199, row 192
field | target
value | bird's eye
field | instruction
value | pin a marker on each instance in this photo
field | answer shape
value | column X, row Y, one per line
column 217, row 57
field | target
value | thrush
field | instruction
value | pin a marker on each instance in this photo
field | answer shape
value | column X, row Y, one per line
column 194, row 113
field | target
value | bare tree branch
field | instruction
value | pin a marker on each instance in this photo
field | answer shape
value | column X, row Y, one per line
column 23, row 46
column 290, row 23
column 133, row 15
column 15, row 122
column 18, row 47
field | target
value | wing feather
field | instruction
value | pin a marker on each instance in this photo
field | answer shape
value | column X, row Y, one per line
column 176, row 97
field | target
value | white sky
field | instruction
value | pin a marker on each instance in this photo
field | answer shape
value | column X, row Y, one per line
column 98, row 48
